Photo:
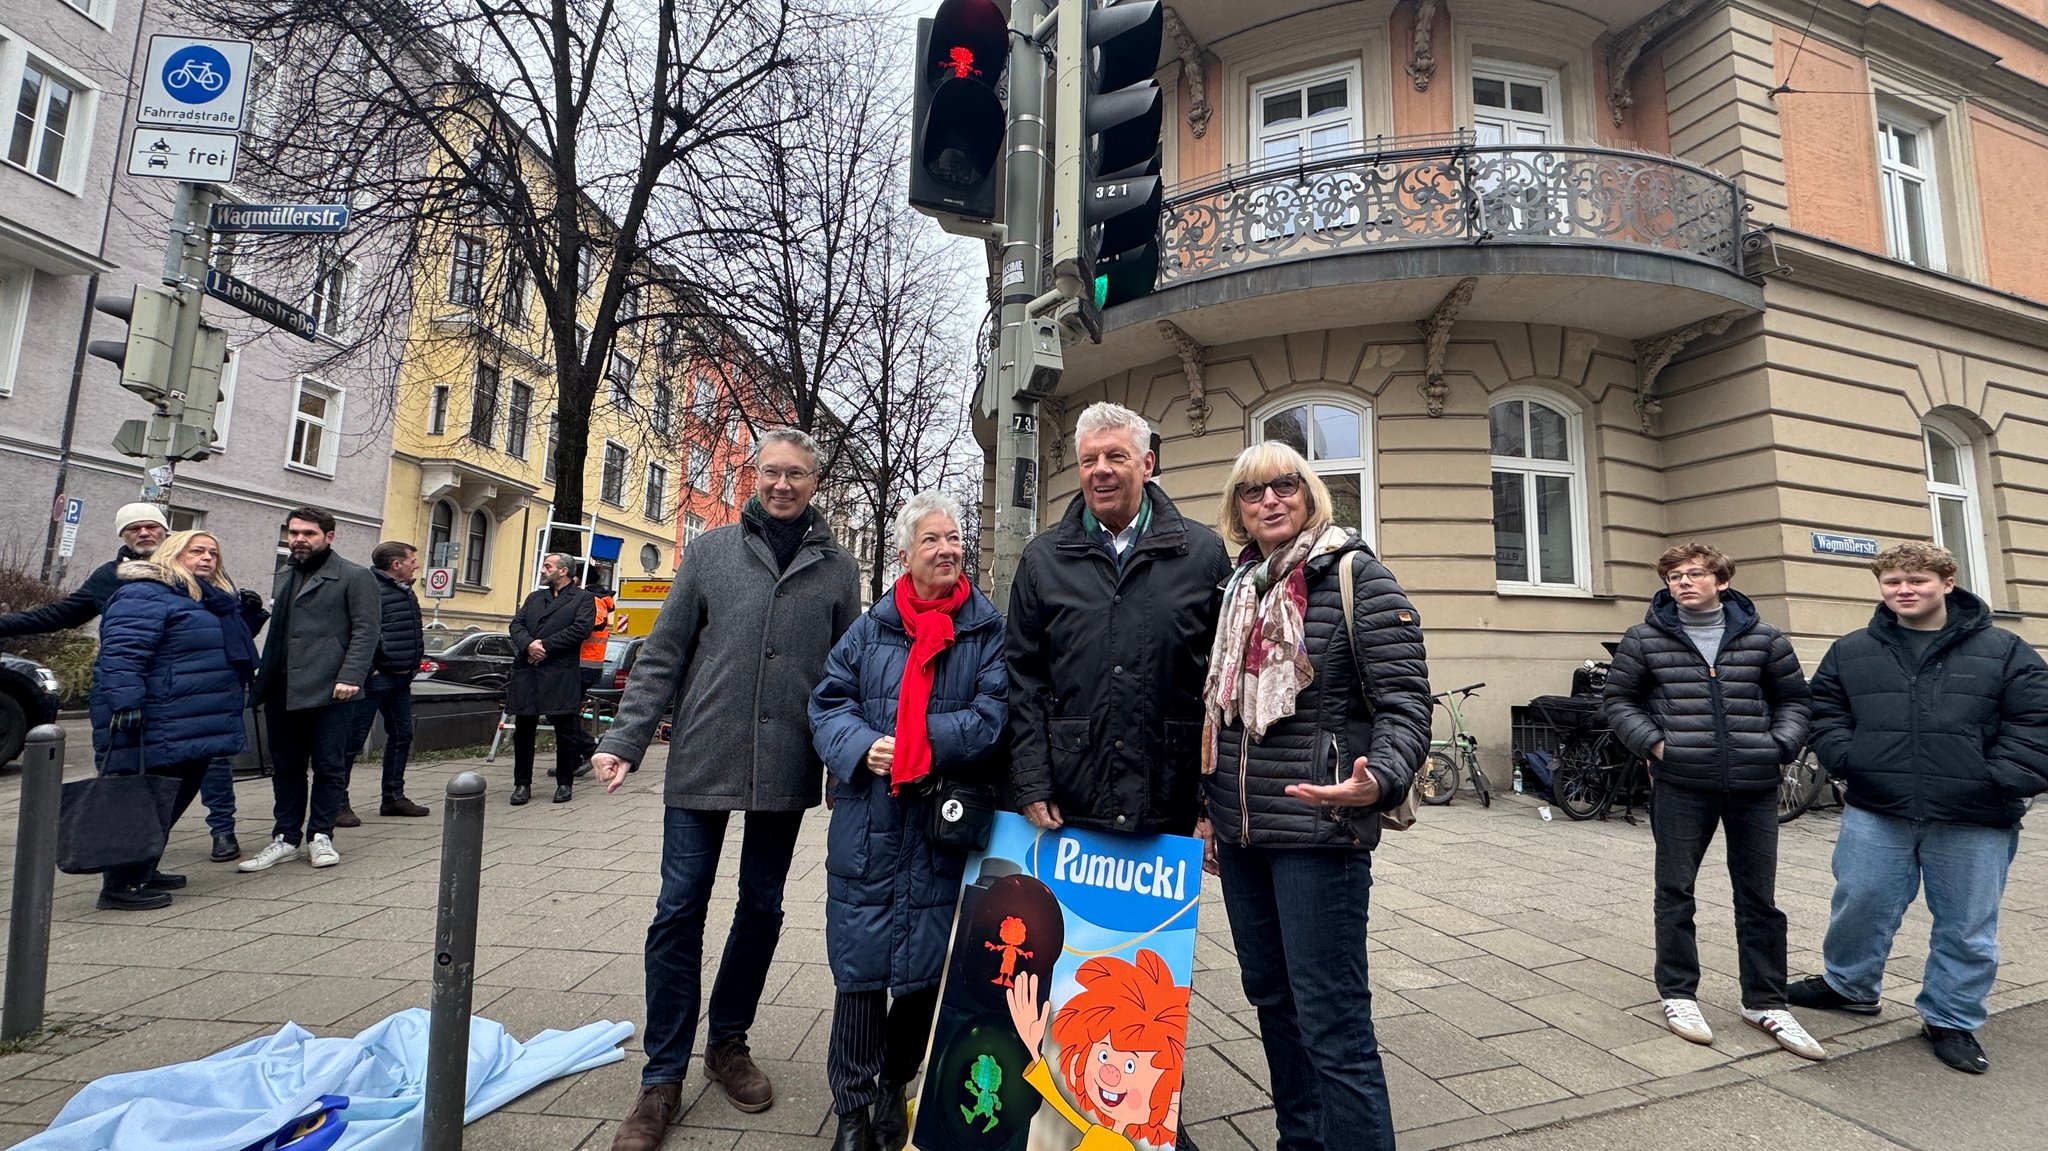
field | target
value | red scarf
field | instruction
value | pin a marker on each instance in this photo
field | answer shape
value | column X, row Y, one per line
column 929, row 623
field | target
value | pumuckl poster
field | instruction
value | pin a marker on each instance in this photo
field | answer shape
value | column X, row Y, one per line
column 1062, row 1022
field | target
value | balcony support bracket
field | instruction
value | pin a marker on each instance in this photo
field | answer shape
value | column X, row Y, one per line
column 1194, row 359
column 1421, row 48
column 1194, row 71
column 1627, row 47
column 1436, row 334
column 1654, row 353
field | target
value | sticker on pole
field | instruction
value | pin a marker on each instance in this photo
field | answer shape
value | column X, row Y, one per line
column 193, row 83
column 440, row 583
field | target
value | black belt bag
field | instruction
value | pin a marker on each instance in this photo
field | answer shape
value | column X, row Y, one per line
column 963, row 815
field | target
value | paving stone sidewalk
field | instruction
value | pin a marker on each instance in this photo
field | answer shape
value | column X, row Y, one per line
column 1509, row 965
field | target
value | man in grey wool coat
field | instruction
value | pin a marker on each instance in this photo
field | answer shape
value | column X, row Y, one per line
column 740, row 643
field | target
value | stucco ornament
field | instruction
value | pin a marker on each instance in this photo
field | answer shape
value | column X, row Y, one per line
column 1194, row 360
column 1653, row 353
column 1628, row 45
column 1436, row 335
column 1421, row 48
column 1194, row 71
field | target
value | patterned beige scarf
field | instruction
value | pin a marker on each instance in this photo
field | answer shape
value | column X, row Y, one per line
column 1260, row 663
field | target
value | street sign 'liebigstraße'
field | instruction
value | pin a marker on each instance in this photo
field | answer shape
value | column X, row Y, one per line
column 325, row 219
column 260, row 304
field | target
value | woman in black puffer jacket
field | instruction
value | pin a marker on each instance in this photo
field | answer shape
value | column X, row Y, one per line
column 1309, row 736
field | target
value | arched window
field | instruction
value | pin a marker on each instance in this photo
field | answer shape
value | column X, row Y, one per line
column 1336, row 436
column 441, row 535
column 1952, row 498
column 1539, row 483
column 473, row 548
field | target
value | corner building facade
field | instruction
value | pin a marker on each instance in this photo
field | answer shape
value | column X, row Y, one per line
column 1542, row 289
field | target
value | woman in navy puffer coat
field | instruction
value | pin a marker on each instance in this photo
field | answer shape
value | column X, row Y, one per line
column 889, row 890
column 175, row 660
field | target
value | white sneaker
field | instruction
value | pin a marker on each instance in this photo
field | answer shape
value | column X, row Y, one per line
column 323, row 853
column 271, row 856
column 1686, row 1021
column 1779, row 1025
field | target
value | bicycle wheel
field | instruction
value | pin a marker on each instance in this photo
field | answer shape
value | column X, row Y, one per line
column 1479, row 783
column 1581, row 784
column 1437, row 782
column 1800, row 787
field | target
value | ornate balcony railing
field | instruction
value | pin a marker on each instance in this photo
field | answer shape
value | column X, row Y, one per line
column 1445, row 190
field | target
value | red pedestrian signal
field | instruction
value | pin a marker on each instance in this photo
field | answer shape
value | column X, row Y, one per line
column 957, row 119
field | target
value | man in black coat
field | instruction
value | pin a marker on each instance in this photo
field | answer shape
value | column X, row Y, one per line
column 1937, row 722
column 547, row 634
column 401, row 642
column 142, row 526
column 1713, row 696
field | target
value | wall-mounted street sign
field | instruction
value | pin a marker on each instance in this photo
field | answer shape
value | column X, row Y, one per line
column 192, row 83
column 182, row 154
column 1831, row 544
column 323, row 219
column 260, row 304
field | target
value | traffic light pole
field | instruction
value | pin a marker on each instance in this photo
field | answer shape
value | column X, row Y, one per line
column 187, row 253
column 1027, row 173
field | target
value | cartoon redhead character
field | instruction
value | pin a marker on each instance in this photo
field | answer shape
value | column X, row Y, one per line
column 1121, row 1041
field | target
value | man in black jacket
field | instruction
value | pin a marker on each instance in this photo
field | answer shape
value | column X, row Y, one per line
column 1937, row 722
column 1713, row 696
column 547, row 634
column 401, row 641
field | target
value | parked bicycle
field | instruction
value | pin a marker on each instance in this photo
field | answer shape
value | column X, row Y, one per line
column 1450, row 758
column 1592, row 770
column 1801, row 788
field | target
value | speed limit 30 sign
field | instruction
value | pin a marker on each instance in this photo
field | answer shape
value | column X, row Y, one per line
column 440, row 583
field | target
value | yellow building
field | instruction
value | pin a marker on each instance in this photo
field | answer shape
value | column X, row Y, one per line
column 473, row 454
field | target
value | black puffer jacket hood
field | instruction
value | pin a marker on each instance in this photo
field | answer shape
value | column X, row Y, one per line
column 1731, row 726
column 1960, row 738
column 1378, row 707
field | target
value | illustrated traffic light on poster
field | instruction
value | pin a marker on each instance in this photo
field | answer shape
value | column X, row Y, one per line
column 1064, row 1006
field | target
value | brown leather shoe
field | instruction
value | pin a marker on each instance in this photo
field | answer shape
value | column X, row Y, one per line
column 648, row 1121
column 735, row 1070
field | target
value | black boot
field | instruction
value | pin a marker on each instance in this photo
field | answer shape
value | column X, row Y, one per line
column 891, row 1124
column 225, row 848
column 854, row 1132
column 140, row 898
column 520, row 794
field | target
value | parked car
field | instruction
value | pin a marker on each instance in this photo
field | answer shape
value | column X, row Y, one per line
column 478, row 658
column 28, row 697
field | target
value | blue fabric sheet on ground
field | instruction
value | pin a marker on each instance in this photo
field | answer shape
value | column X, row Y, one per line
column 250, row 1094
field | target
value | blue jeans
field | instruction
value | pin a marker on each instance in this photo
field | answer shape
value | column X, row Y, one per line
column 217, row 792
column 1297, row 918
column 1881, row 862
column 690, row 846
column 391, row 697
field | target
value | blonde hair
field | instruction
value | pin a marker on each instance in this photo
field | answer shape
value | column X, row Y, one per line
column 165, row 561
column 1262, row 462
column 1915, row 557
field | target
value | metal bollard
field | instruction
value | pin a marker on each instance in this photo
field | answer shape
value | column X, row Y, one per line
column 462, row 856
column 35, row 878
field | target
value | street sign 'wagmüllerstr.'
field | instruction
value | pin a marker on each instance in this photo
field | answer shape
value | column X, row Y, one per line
column 326, row 219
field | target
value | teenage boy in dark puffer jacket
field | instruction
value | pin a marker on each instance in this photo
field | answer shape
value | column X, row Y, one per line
column 1714, row 698
column 1937, row 722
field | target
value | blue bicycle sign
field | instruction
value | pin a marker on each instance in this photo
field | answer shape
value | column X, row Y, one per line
column 196, row 74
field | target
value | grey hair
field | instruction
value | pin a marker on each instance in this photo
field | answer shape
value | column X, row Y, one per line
column 563, row 560
column 1105, row 416
column 916, row 508
column 794, row 437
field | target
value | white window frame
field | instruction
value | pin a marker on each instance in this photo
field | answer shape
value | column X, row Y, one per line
column 17, row 284
column 1973, row 560
column 1360, row 465
column 1511, row 72
column 480, row 418
column 620, row 370
column 437, row 409
column 224, row 410
column 333, row 307
column 329, row 424
column 551, row 451
column 617, row 499
column 469, row 257
column 661, row 406
column 476, row 561
column 699, row 477
column 518, row 418
column 693, row 528
column 654, row 501
column 1353, row 118
column 731, row 485
column 1574, row 468
column 434, row 529
column 705, row 393
column 16, row 56
column 515, row 302
column 1893, row 174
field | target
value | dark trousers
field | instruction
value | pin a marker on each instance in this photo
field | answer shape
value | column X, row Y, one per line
column 568, row 747
column 217, row 791
column 188, row 774
column 316, row 738
column 690, row 846
column 1297, row 919
column 390, row 697
column 1683, row 822
column 871, row 1036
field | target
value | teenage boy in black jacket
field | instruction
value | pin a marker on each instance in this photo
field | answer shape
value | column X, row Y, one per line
column 1937, row 722
column 1713, row 696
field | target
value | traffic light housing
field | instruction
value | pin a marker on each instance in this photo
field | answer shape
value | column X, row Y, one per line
column 957, row 117
column 202, row 392
column 145, row 356
column 1106, row 185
